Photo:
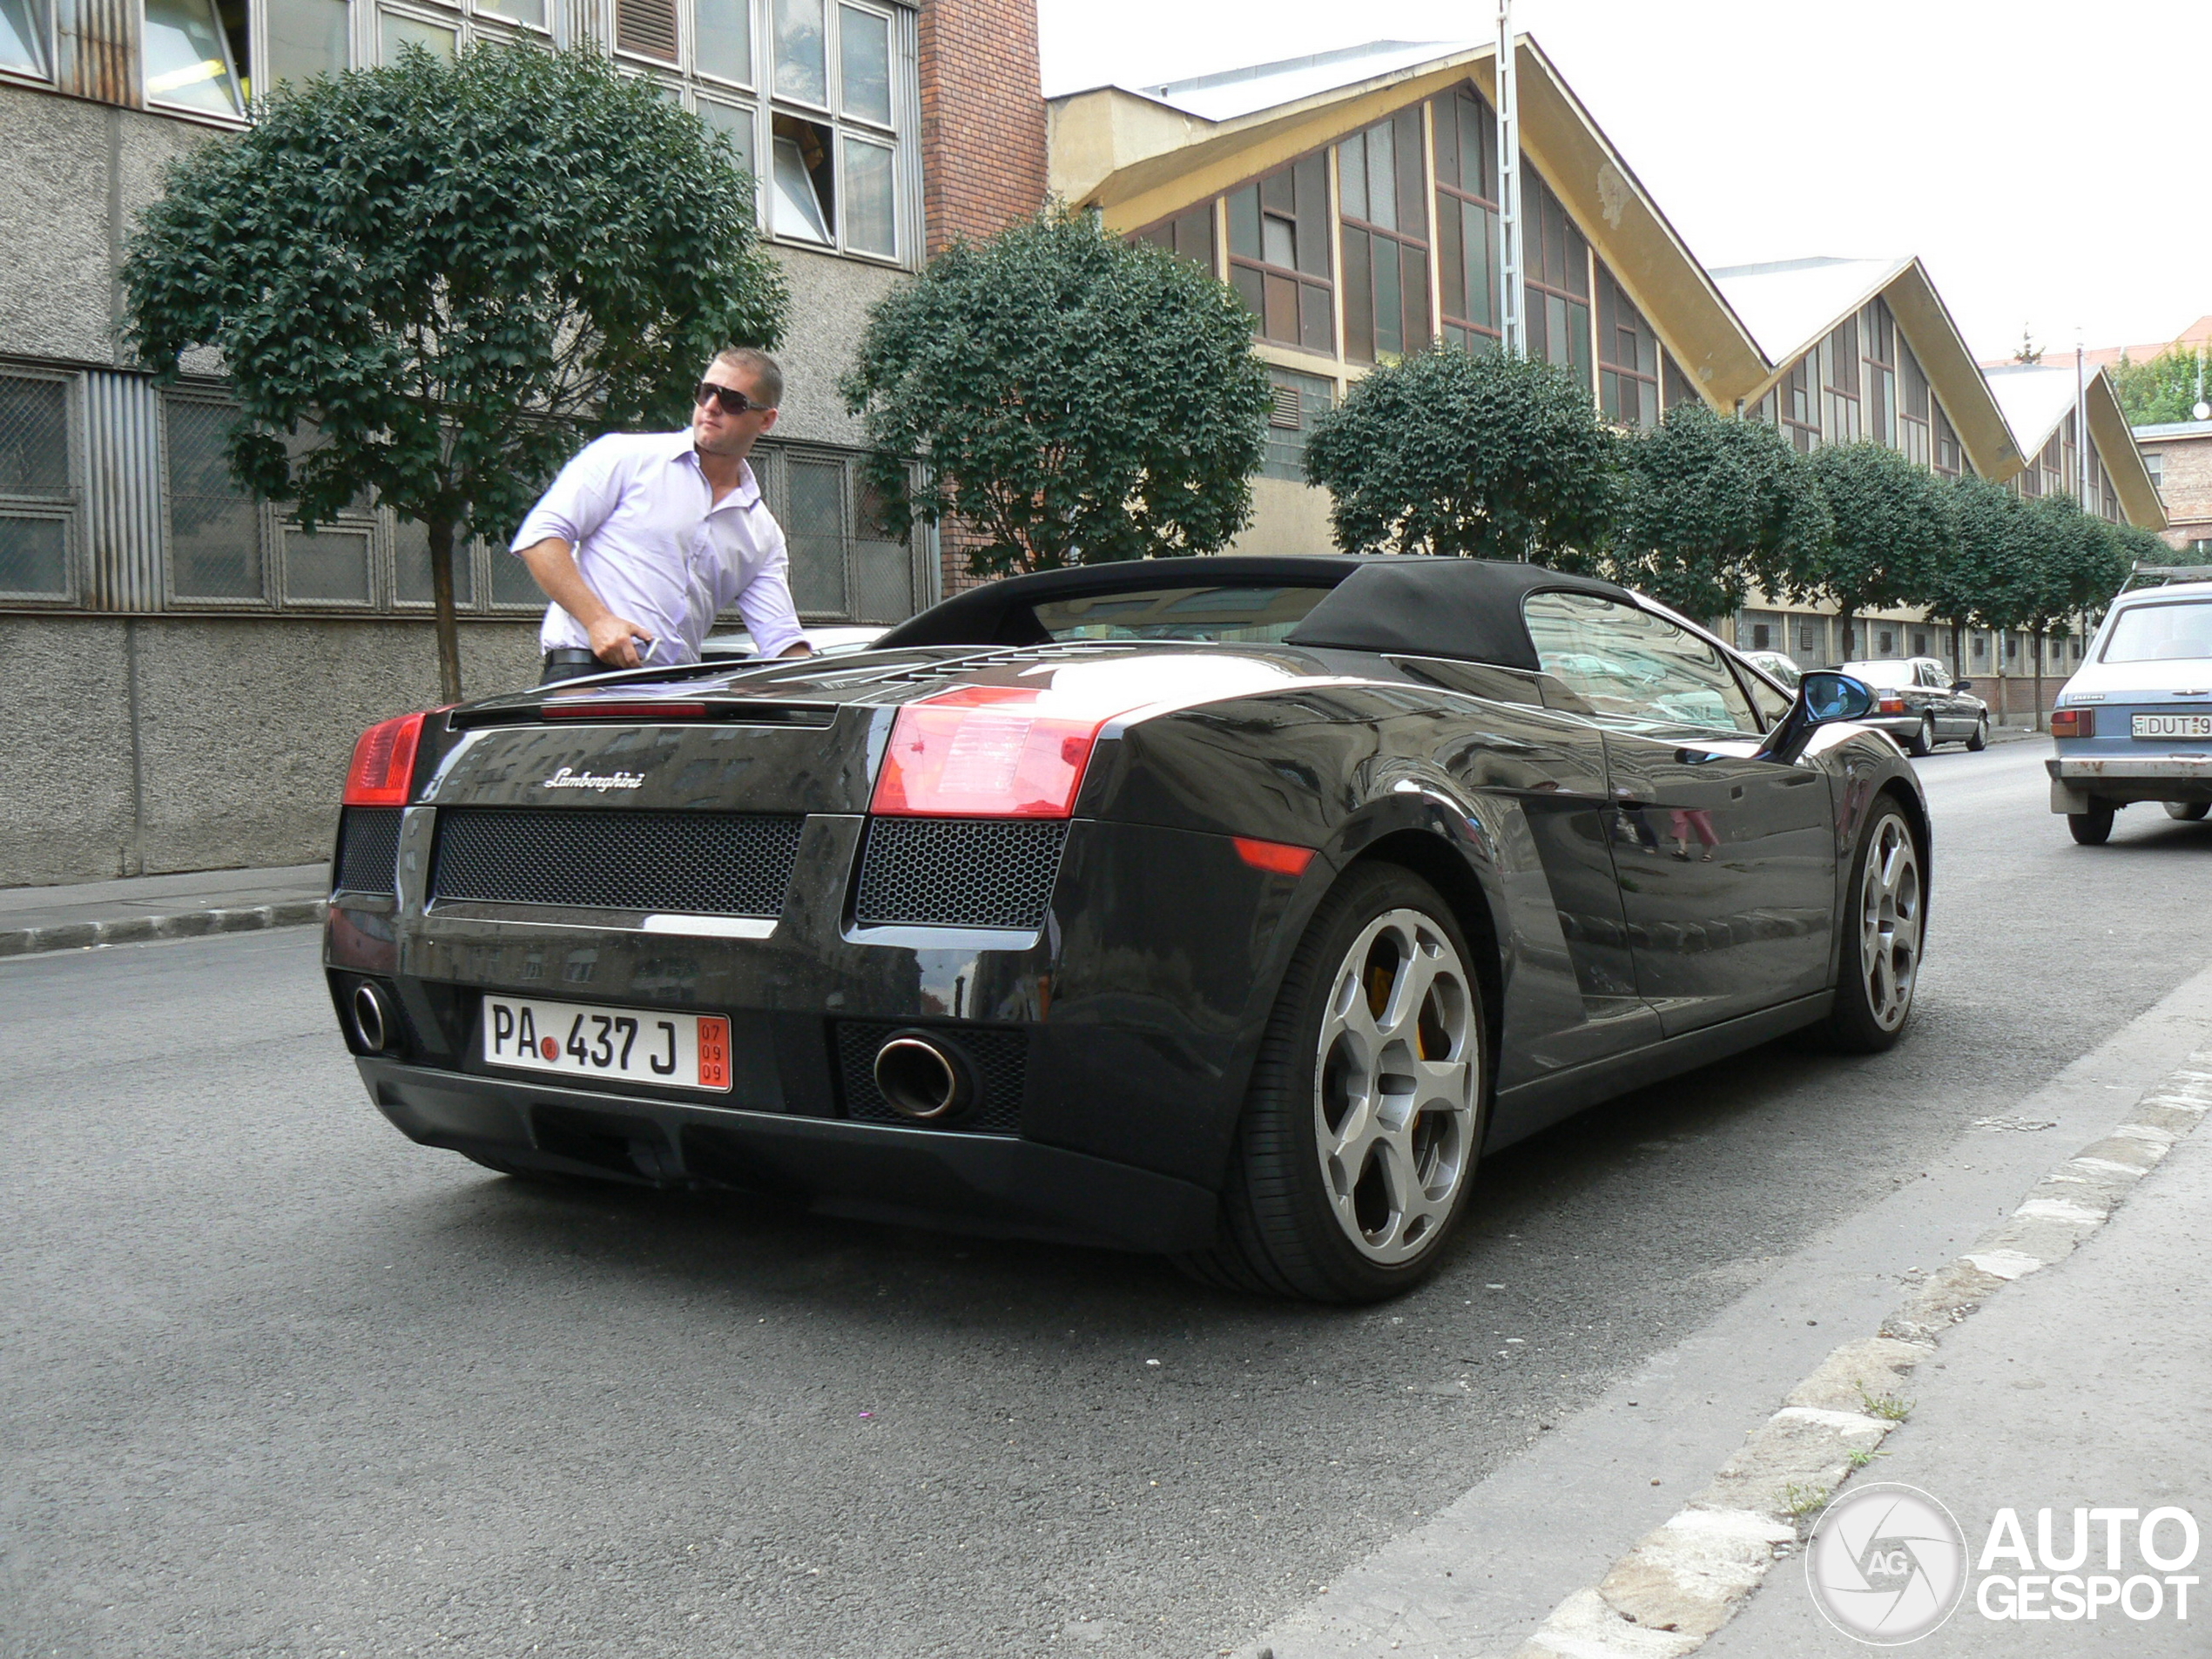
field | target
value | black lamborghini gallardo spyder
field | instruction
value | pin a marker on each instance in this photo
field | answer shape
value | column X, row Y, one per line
column 1227, row 907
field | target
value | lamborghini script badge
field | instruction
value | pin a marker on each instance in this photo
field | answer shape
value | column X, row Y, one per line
column 569, row 777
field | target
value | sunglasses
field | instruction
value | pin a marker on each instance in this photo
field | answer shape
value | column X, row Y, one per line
column 732, row 401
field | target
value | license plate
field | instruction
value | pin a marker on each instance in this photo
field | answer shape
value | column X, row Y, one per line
column 632, row 1045
column 2173, row 725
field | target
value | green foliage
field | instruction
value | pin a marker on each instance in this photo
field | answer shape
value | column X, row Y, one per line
column 1491, row 457
column 1990, row 578
column 2135, row 545
column 1711, row 507
column 429, row 282
column 2165, row 388
column 1078, row 398
column 1891, row 529
column 2082, row 562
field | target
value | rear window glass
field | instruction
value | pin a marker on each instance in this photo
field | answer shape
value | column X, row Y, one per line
column 2161, row 633
column 1249, row 615
column 1882, row 674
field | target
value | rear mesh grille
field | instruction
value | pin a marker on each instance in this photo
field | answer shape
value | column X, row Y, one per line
column 958, row 872
column 713, row 864
column 1000, row 1059
column 368, row 850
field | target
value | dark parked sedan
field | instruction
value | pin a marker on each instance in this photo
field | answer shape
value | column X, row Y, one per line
column 1226, row 907
column 1917, row 702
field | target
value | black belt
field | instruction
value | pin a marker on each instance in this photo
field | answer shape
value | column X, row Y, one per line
column 567, row 662
column 565, row 655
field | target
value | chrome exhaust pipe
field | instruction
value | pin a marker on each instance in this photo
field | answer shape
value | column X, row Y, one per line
column 371, row 1029
column 922, row 1079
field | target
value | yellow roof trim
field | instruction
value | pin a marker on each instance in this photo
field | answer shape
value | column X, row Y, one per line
column 2114, row 438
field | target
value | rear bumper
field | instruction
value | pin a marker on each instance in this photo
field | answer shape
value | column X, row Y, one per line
column 987, row 1183
column 2078, row 782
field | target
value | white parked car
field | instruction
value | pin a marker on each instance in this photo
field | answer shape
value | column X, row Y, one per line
column 2135, row 722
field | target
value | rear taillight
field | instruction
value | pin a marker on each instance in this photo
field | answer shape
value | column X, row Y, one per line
column 384, row 770
column 1889, row 702
column 2074, row 723
column 988, row 751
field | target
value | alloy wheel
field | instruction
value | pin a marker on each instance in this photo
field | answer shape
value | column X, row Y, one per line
column 1889, row 922
column 1396, row 1085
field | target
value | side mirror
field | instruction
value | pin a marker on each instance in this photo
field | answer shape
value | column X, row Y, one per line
column 1823, row 699
column 1962, row 685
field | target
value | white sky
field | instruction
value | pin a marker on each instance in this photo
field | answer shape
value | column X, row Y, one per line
column 2047, row 160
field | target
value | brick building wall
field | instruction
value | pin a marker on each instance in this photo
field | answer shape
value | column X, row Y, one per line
column 982, row 149
column 982, row 116
column 2185, row 482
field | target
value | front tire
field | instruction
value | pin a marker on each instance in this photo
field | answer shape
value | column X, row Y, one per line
column 2091, row 828
column 1880, row 964
column 2190, row 811
column 1980, row 740
column 1364, row 1115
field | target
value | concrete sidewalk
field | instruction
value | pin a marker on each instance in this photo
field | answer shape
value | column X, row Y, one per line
column 2081, row 1387
column 159, row 906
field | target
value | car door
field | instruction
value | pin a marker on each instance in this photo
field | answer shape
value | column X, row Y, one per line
column 1726, row 861
column 1936, row 695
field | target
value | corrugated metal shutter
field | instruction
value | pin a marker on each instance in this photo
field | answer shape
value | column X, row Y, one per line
column 123, row 490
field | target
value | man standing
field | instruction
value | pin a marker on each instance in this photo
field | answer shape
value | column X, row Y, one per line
column 644, row 536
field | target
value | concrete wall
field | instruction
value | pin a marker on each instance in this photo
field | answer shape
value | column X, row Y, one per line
column 1286, row 518
column 829, row 309
column 79, row 174
column 150, row 744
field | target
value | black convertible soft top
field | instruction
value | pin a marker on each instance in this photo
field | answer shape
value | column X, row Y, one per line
column 1468, row 608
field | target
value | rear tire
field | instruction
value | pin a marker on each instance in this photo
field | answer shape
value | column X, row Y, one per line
column 1365, row 1114
column 2190, row 811
column 1880, row 961
column 1922, row 741
column 2091, row 828
column 1980, row 740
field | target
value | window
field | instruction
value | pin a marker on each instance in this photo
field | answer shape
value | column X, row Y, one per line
column 1676, row 388
column 24, row 41
column 1949, row 459
column 1466, row 220
column 37, row 502
column 814, row 103
column 1800, row 401
column 214, row 527
column 190, row 59
column 1627, row 357
column 1380, row 187
column 2050, row 468
column 331, row 566
column 1559, row 280
column 306, row 38
column 1278, row 253
column 411, row 577
column 2155, row 464
column 1980, row 648
column 2161, row 633
column 1878, row 332
column 1839, row 383
column 1915, row 403
column 845, row 564
column 1300, row 400
column 1630, row 664
column 1188, row 236
column 1920, row 649
column 1809, row 638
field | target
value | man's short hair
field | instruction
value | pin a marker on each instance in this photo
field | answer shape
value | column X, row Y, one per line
column 763, row 370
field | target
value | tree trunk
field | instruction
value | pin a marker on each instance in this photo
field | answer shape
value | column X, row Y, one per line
column 441, row 532
column 2039, row 676
column 1958, row 652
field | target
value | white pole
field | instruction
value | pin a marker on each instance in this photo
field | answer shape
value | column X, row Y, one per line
column 1512, row 295
column 2081, row 430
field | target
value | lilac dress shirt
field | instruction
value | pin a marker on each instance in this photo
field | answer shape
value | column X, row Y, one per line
column 657, row 547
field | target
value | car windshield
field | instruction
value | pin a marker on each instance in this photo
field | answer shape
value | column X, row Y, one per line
column 1880, row 674
column 2161, row 633
column 1248, row 615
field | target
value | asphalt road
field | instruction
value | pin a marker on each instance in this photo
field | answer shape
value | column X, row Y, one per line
column 278, row 1382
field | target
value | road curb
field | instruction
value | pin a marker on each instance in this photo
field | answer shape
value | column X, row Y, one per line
column 184, row 924
column 1683, row 1581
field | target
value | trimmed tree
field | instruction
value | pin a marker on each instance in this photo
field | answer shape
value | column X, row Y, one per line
column 1710, row 508
column 1076, row 398
column 1988, row 576
column 1890, row 531
column 430, row 281
column 1490, row 457
column 2080, row 565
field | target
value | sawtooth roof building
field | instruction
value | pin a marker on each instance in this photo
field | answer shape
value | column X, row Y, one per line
column 1351, row 199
